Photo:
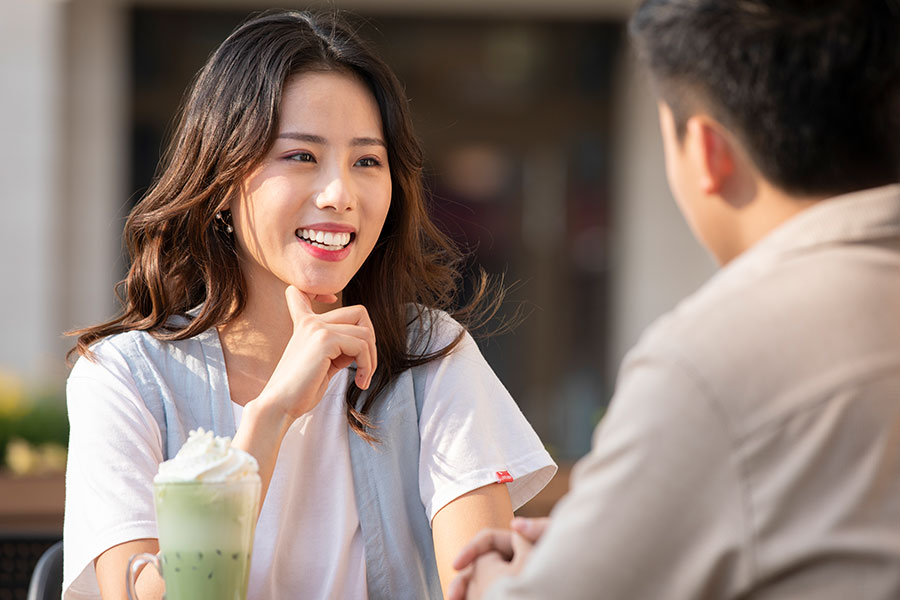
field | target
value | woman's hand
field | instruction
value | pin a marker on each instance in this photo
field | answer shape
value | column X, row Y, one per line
column 320, row 346
column 111, row 567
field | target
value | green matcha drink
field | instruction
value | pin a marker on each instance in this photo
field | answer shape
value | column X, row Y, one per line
column 205, row 537
column 207, row 502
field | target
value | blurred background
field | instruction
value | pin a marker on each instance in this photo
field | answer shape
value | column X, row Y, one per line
column 543, row 159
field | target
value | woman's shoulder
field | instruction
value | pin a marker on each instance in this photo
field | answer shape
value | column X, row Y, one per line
column 112, row 348
column 125, row 343
column 430, row 329
column 138, row 346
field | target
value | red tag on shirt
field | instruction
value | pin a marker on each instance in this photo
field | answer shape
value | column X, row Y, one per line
column 504, row 477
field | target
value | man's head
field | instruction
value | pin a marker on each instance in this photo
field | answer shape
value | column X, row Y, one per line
column 810, row 87
column 807, row 91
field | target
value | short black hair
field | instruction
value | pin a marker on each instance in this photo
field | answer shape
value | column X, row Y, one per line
column 810, row 87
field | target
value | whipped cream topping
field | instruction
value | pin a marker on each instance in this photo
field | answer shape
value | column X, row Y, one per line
column 204, row 457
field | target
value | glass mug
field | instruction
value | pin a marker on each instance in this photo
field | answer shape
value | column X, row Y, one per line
column 205, row 539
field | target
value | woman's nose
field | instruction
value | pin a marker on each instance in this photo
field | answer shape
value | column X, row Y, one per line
column 335, row 195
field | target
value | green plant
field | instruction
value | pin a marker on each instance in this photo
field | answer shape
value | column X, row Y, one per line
column 35, row 416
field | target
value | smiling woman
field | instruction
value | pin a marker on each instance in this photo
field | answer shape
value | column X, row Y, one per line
column 327, row 174
column 289, row 289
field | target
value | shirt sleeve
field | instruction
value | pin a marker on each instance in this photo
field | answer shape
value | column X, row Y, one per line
column 654, row 510
column 114, row 451
column 472, row 432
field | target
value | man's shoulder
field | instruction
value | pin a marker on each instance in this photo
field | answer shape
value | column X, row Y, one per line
column 810, row 293
column 769, row 340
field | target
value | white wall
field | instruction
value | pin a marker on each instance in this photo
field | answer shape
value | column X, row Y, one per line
column 30, row 166
column 96, row 177
column 62, row 168
column 656, row 260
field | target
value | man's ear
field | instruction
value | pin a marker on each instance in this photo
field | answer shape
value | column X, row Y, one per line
column 712, row 152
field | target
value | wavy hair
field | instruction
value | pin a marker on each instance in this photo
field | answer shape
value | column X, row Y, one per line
column 180, row 261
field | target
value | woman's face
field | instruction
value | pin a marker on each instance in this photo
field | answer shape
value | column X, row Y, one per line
column 311, row 212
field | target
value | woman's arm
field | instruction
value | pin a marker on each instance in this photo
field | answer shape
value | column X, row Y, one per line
column 458, row 522
column 114, row 451
column 111, row 567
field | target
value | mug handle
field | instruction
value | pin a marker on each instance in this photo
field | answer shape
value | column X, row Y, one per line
column 135, row 563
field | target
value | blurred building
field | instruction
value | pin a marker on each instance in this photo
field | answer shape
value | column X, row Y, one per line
column 543, row 158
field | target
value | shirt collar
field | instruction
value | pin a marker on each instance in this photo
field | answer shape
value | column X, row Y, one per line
column 861, row 216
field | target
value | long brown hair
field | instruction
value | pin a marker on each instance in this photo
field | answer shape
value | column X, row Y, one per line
column 180, row 260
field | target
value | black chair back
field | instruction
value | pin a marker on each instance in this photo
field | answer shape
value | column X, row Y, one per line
column 20, row 551
column 46, row 580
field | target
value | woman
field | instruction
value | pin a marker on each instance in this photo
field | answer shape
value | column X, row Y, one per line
column 287, row 288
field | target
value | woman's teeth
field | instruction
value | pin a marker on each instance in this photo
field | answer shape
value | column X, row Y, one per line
column 325, row 239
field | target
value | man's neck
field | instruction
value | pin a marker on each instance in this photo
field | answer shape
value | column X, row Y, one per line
column 765, row 212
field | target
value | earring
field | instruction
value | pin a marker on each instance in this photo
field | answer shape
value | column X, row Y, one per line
column 225, row 224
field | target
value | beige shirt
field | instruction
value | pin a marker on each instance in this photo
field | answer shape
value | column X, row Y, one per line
column 752, row 449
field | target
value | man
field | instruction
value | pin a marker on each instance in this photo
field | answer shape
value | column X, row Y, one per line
column 752, row 449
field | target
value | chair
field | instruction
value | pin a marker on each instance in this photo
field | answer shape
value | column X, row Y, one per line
column 46, row 579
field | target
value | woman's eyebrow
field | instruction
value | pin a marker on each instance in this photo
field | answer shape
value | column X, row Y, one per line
column 302, row 137
column 367, row 141
column 318, row 139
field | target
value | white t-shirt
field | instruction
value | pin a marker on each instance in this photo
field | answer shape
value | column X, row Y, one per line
column 308, row 542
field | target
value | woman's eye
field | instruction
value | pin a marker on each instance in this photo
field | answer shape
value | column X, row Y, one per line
column 368, row 162
column 302, row 157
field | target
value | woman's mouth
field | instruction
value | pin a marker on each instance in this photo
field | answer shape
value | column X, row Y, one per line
column 332, row 241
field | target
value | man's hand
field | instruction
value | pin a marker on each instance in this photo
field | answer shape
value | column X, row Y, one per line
column 492, row 554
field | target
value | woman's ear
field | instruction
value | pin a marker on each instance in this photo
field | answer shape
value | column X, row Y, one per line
column 712, row 152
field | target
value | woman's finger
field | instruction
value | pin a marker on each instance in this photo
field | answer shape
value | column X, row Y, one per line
column 350, row 321
column 343, row 349
column 298, row 303
column 359, row 316
column 357, row 331
column 356, row 314
column 365, row 367
column 323, row 298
